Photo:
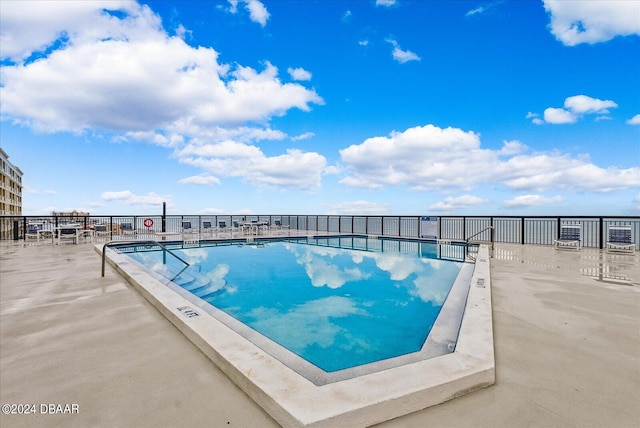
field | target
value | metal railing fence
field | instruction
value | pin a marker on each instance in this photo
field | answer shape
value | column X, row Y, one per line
column 538, row 230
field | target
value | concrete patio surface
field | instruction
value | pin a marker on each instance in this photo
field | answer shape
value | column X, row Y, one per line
column 566, row 331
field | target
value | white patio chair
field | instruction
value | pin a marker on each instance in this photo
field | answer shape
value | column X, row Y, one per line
column 569, row 237
column 223, row 228
column 188, row 231
column 128, row 230
column 102, row 232
column 32, row 233
column 620, row 240
column 279, row 226
column 68, row 233
column 207, row 229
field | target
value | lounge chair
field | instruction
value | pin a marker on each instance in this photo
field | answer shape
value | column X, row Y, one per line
column 68, row 233
column 101, row 232
column 569, row 237
column 188, row 230
column 207, row 230
column 33, row 232
column 222, row 227
column 279, row 226
column 48, row 235
column 236, row 225
column 620, row 240
column 37, row 232
column 128, row 230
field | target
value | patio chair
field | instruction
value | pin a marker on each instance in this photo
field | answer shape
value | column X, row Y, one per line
column 188, row 229
column 47, row 235
column 279, row 226
column 70, row 233
column 32, row 233
column 222, row 227
column 128, row 230
column 101, row 232
column 244, row 227
column 569, row 237
column 620, row 240
column 207, row 230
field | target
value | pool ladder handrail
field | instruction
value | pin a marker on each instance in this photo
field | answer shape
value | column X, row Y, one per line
column 104, row 248
column 468, row 241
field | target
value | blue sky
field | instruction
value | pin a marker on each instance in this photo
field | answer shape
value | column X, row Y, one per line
column 323, row 107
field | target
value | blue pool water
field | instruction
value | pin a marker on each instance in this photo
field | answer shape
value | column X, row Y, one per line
column 336, row 302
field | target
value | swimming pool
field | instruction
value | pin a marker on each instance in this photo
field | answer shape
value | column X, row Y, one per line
column 273, row 341
column 336, row 302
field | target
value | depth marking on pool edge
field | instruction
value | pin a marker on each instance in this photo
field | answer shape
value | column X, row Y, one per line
column 188, row 311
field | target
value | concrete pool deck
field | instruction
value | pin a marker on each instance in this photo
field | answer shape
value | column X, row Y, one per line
column 566, row 332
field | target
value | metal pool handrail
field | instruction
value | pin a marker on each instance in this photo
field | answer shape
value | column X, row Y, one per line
column 479, row 233
column 104, row 248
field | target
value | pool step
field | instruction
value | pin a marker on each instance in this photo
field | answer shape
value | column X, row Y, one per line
column 191, row 281
column 210, row 289
column 184, row 280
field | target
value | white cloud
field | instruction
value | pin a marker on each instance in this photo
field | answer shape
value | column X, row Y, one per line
column 512, row 148
column 386, row 3
column 524, row 201
column 559, row 116
column 398, row 266
column 482, row 9
column 635, row 120
column 540, row 172
column 423, row 157
column 592, row 21
column 140, row 79
column 258, row 13
column 475, row 11
column 127, row 197
column 31, row 26
column 434, row 287
column 148, row 86
column 233, row 6
column 314, row 319
column 582, row 104
column 299, row 73
column 224, row 149
column 157, row 138
column 358, row 207
column 400, row 55
column 458, row 203
column 535, row 119
column 304, row 136
column 322, row 272
column 574, row 108
column 431, row 158
column 205, row 180
column 33, row 191
column 294, row 169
